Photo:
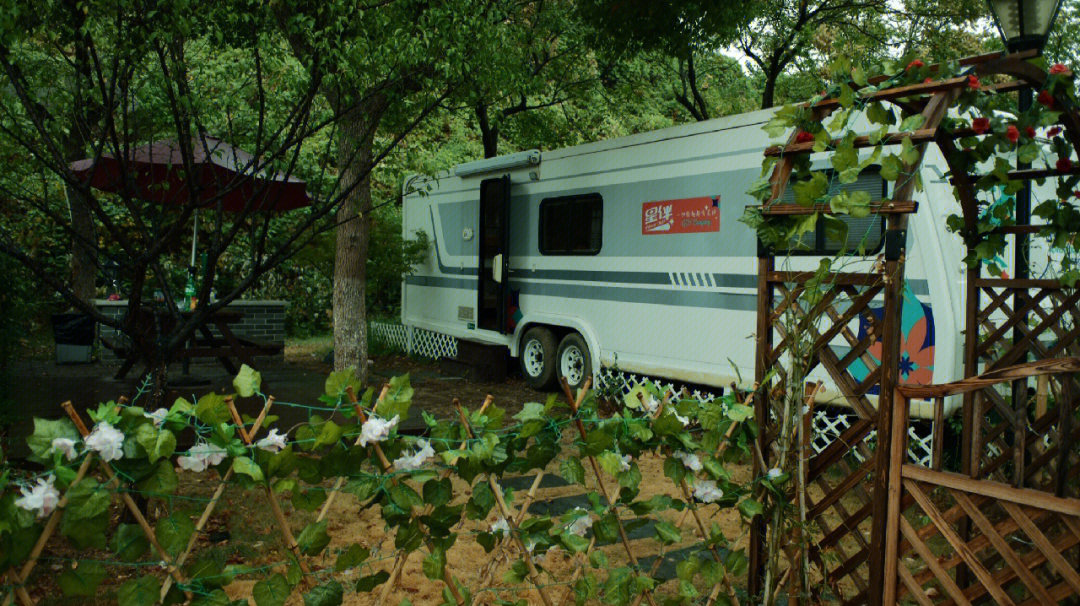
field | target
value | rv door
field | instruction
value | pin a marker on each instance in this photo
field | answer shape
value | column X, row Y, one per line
column 493, row 292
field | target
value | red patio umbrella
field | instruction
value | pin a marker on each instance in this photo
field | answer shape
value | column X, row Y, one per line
column 222, row 174
column 156, row 173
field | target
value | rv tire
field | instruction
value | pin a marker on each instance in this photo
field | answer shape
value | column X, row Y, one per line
column 573, row 361
column 537, row 357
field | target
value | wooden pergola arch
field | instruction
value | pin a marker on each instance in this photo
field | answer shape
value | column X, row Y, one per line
column 1006, row 526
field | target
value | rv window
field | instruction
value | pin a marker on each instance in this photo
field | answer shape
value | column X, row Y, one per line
column 571, row 225
column 865, row 235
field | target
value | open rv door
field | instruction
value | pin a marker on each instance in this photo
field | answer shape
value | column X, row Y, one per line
column 493, row 292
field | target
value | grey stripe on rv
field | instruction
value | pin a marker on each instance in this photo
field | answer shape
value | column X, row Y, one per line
column 679, row 298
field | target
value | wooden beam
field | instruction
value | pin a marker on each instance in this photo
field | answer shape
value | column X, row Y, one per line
column 917, row 136
column 994, row 490
column 884, row 207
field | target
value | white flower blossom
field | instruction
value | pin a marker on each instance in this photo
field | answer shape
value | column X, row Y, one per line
column 689, row 460
column 376, row 429
column 805, row 410
column 273, row 442
column 500, row 525
column 580, row 524
column 650, row 404
column 107, row 441
column 774, row 473
column 66, row 446
column 624, row 462
column 158, row 416
column 42, row 498
column 707, row 491
column 417, row 459
column 202, row 456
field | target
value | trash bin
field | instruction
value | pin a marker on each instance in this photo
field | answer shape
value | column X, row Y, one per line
column 74, row 337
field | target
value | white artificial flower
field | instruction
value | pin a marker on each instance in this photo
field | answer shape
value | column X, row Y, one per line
column 775, row 473
column 107, row 441
column 500, row 525
column 624, row 462
column 201, row 456
column 651, row 404
column 376, row 429
column 158, row 416
column 689, row 460
column 273, row 442
column 66, row 446
column 581, row 524
column 707, row 491
column 417, row 459
column 42, row 498
column 805, row 410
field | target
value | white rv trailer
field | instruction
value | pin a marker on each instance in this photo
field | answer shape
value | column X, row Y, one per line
column 629, row 253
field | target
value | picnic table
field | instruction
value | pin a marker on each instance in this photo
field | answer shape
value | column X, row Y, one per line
column 225, row 345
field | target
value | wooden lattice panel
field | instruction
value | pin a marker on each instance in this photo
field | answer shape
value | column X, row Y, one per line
column 1019, row 435
column 839, row 498
column 1022, row 546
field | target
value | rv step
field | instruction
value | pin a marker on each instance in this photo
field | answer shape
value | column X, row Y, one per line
column 477, row 362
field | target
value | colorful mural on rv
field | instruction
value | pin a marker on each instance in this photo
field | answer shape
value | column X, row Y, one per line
column 916, row 343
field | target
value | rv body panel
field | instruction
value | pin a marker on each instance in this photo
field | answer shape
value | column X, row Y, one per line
column 678, row 303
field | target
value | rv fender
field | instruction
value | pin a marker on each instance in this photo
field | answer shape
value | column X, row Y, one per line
column 561, row 324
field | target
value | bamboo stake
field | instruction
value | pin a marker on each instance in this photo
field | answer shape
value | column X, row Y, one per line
column 209, row 509
column 18, row 589
column 341, row 479
column 501, row 545
column 448, row 580
column 399, row 561
column 128, row 502
column 600, row 484
column 275, row 507
column 511, row 518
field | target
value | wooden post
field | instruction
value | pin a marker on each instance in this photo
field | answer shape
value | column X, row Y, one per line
column 897, row 454
column 763, row 349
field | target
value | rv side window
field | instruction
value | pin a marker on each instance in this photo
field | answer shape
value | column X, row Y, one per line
column 864, row 236
column 571, row 225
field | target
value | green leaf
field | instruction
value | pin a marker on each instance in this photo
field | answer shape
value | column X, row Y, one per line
column 809, row 191
column 143, row 591
column 610, row 462
column 891, row 167
column 313, row 538
column 329, row 433
column 750, row 508
column 87, row 499
column 82, row 580
column 847, row 96
column 85, row 533
column 247, row 467
column 211, row 409
column 158, row 443
column 371, row 581
column 247, row 381
column 161, row 481
column 668, row 533
column 308, row 500
column 173, row 533
column 339, row 380
column 129, row 543
column 739, row 412
column 1027, row 152
column 434, row 564
column 573, row 542
column 330, row 593
column 911, row 123
column 397, row 399
column 531, row 411
column 273, row 591
column 858, row 76
column 481, row 502
column 45, row 431
column 182, row 406
column 351, row 557
column 405, row 497
column 438, row 492
column 572, row 470
column 598, row 559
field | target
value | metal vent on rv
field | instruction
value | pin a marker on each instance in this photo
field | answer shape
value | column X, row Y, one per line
column 865, row 234
column 465, row 313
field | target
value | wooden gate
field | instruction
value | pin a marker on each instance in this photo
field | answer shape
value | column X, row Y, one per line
column 1006, row 528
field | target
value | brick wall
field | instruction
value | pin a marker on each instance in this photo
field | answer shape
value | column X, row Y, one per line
column 263, row 321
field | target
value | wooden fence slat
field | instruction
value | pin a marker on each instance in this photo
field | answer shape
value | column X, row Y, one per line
column 932, row 562
column 1066, row 570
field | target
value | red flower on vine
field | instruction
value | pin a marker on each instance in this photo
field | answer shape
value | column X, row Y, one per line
column 916, row 64
column 927, row 80
column 980, row 125
column 1012, row 133
column 1045, row 98
column 804, row 137
column 1053, row 132
column 973, row 83
column 1063, row 165
column 1030, row 132
column 1058, row 68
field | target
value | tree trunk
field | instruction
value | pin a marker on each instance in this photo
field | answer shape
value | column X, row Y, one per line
column 489, row 133
column 83, row 247
column 353, row 233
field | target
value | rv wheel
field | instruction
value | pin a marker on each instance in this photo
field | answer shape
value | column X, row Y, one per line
column 574, row 363
column 538, row 357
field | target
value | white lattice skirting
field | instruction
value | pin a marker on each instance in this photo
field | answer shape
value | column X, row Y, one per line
column 828, row 424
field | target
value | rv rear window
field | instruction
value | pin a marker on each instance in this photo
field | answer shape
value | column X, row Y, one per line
column 865, row 236
column 571, row 225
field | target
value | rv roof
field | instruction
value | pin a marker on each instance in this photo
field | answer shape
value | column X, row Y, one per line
column 672, row 132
